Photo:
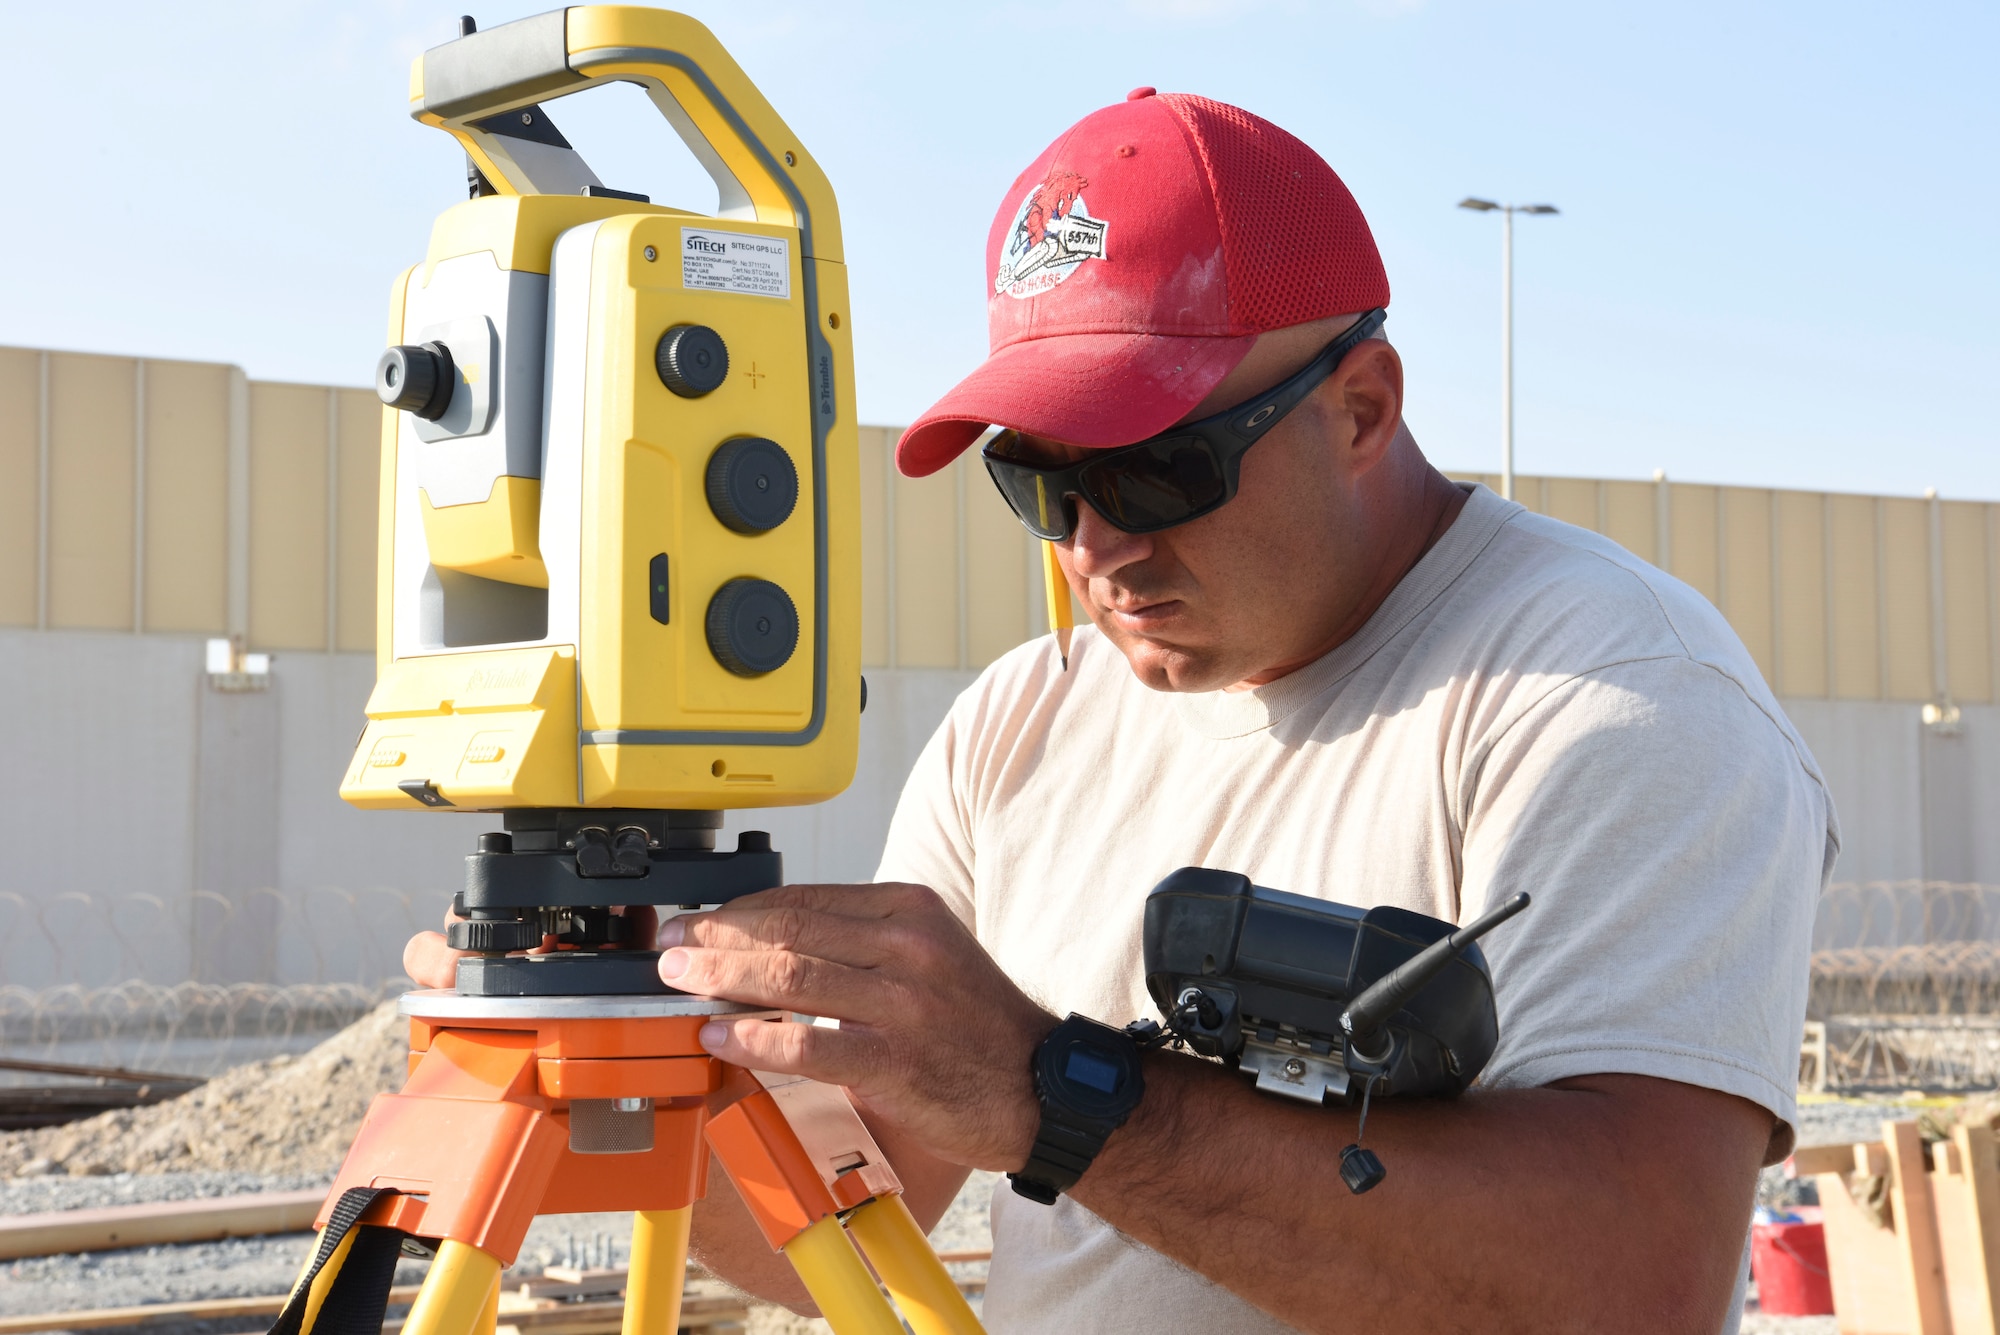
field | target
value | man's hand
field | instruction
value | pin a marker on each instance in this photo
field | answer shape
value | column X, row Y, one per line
column 432, row 963
column 933, row 1038
column 1492, row 1204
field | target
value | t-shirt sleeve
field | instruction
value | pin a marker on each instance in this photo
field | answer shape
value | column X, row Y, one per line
column 1675, row 845
column 930, row 840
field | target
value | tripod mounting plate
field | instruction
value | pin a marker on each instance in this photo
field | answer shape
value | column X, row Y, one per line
column 443, row 1004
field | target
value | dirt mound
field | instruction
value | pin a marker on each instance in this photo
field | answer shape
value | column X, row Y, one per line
column 291, row 1115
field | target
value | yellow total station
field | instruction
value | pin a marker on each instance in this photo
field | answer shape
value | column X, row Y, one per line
column 619, row 565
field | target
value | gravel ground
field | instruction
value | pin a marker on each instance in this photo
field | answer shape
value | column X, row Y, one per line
column 37, row 1195
column 242, row 1267
column 283, row 1124
column 285, row 1115
column 1831, row 1122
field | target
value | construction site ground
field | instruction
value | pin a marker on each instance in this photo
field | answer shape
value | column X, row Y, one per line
column 283, row 1125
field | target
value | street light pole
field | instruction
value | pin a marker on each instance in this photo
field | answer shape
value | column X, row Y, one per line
column 1507, row 354
column 1507, row 212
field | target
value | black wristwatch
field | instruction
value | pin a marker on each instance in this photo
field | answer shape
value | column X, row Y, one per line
column 1088, row 1078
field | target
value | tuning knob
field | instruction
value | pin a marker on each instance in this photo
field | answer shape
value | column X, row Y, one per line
column 752, row 484
column 493, row 937
column 417, row 378
column 752, row 627
column 692, row 360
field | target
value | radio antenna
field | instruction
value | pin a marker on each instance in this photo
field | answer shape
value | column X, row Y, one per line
column 1366, row 1014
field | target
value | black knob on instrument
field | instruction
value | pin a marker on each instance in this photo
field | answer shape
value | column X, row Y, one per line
column 752, row 484
column 752, row 627
column 490, row 937
column 692, row 360
column 417, row 378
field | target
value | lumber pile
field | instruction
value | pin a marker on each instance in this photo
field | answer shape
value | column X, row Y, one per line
column 1912, row 1232
column 84, row 1091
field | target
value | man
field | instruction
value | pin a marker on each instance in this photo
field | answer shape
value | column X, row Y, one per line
column 1316, row 661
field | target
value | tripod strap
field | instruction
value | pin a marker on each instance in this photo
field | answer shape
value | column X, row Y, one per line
column 359, row 1296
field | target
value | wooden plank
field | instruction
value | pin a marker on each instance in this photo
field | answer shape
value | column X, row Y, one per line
column 1968, row 1217
column 1958, row 1241
column 100, row 1072
column 66, row 1231
column 601, row 1318
column 1916, row 1221
column 1812, row 1160
column 1870, row 1294
column 207, row 1309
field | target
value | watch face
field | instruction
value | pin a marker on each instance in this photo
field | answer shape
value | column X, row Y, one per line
column 1082, row 1066
column 1091, row 1070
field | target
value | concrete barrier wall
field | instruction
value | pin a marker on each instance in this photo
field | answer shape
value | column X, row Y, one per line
column 165, row 496
column 154, row 503
column 154, row 827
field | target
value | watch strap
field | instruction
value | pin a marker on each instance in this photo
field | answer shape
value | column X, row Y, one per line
column 1058, row 1159
column 1064, row 1144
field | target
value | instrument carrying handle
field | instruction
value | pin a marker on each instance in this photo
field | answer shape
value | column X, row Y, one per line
column 759, row 168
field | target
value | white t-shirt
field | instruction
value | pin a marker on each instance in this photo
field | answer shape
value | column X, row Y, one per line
column 1533, row 708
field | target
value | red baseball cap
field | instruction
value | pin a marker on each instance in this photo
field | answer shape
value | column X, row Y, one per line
column 1133, row 264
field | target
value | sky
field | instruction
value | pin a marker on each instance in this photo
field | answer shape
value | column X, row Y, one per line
column 1774, row 263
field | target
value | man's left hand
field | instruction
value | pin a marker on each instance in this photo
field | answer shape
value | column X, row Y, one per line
column 933, row 1037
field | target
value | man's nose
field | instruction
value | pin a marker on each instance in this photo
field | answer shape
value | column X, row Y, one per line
column 1099, row 549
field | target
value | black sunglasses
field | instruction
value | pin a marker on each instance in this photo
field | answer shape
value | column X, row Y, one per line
column 1164, row 480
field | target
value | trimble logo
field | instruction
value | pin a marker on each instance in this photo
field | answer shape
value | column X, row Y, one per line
column 497, row 679
column 705, row 246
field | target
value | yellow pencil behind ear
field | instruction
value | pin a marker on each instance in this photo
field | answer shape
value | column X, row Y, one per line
column 1056, row 585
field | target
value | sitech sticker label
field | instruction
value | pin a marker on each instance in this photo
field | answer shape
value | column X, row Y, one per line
column 758, row 266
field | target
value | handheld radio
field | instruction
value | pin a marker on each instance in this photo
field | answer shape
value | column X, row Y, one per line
column 1321, row 1001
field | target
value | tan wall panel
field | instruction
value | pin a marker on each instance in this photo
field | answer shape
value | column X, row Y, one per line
column 359, row 474
column 91, row 442
column 999, row 577
column 1967, row 602
column 1993, row 598
column 926, row 571
column 1856, row 636
column 1693, row 525
column 876, row 443
column 187, row 497
column 1572, row 500
column 1906, row 602
column 1532, row 493
column 20, row 503
column 1744, row 570
column 1801, row 611
column 287, row 516
column 1629, row 517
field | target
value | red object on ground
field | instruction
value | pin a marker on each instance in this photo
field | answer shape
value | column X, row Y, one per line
column 1789, row 1263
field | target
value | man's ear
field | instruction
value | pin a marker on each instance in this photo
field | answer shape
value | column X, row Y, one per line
column 1369, row 386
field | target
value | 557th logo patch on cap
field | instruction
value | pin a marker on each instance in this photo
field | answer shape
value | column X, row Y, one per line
column 1053, row 233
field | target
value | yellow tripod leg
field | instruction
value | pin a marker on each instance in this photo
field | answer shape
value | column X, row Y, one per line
column 489, row 1315
column 463, row 1281
column 323, row 1281
column 916, row 1279
column 659, row 1271
column 833, row 1274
